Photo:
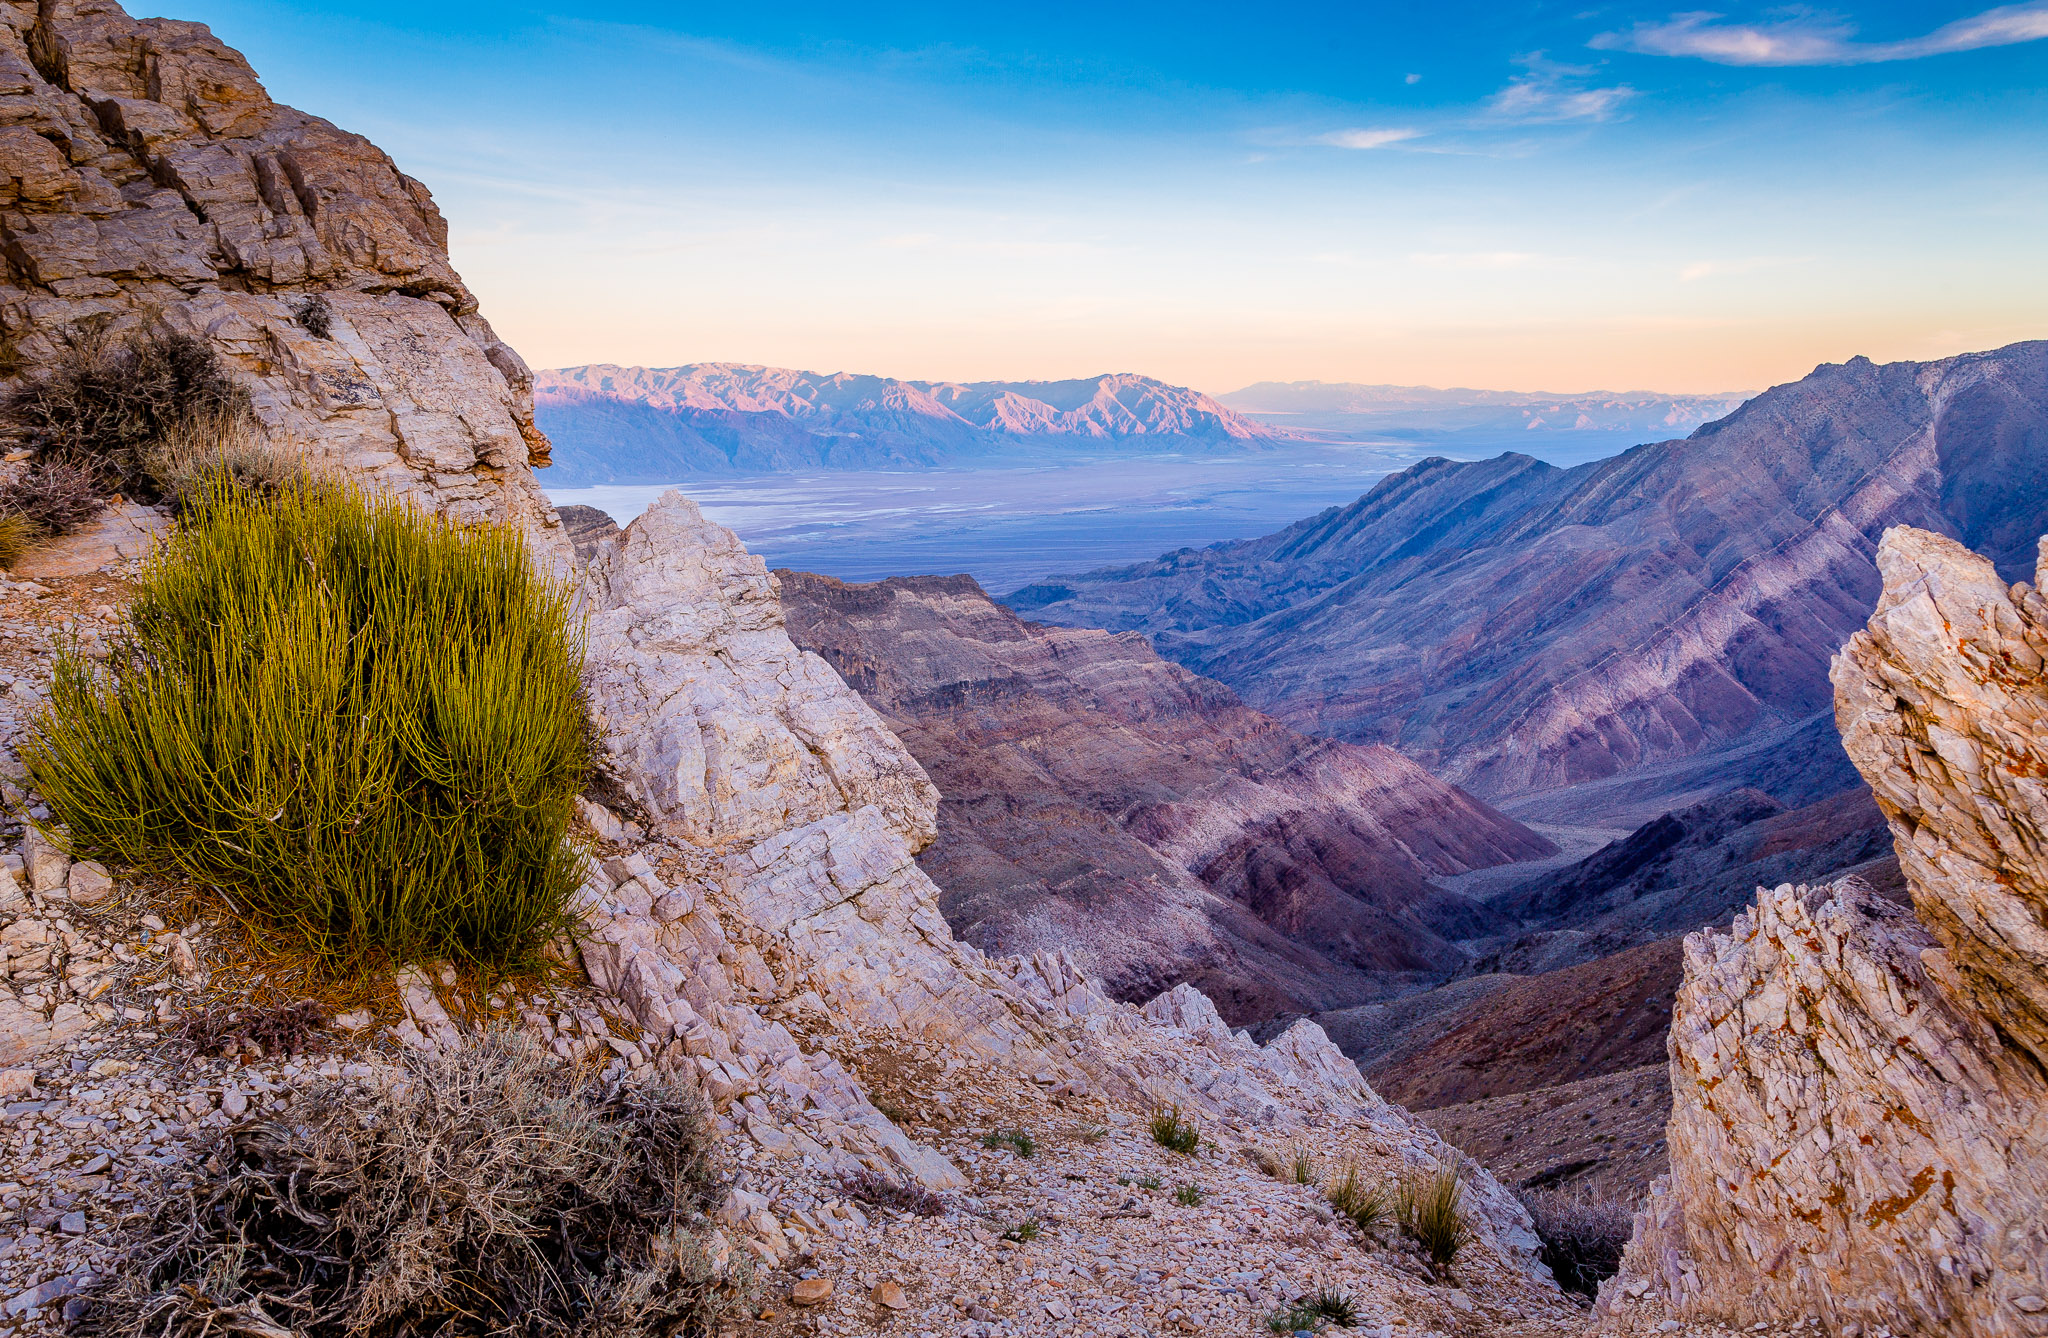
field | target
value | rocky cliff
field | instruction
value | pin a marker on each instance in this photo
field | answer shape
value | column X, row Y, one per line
column 145, row 175
column 1860, row 1094
column 1518, row 627
column 1099, row 798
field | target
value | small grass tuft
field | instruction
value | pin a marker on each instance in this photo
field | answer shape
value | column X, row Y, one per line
column 1426, row 1207
column 1302, row 1165
column 1025, row 1231
column 1365, row 1205
column 1173, row 1133
column 1188, row 1196
column 1327, row 1306
column 1018, row 1141
column 363, row 725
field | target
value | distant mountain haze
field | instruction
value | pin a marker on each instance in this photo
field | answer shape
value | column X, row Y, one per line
column 1517, row 627
column 1347, row 408
column 613, row 424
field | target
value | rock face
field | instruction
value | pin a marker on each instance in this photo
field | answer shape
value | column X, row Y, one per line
column 1860, row 1121
column 145, row 173
column 1517, row 627
column 1099, row 798
column 781, row 895
column 659, row 424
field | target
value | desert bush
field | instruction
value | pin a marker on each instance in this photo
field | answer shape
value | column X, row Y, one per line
column 1018, row 1141
column 882, row 1191
column 194, row 453
column 1173, row 1133
column 485, row 1194
column 1426, row 1208
column 1366, row 1205
column 1583, row 1235
column 17, row 536
column 292, row 1029
column 1189, row 1196
column 102, row 400
column 51, row 497
column 362, row 724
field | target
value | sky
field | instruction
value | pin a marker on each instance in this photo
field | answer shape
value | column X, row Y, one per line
column 1528, row 196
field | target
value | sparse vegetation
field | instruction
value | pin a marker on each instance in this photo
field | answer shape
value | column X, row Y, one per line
column 195, row 453
column 1367, row 1206
column 1426, row 1205
column 882, row 1191
column 1583, row 1235
column 1302, row 1164
column 293, row 1029
column 103, row 401
column 363, row 725
column 1025, row 1231
column 1018, row 1141
column 486, row 1194
column 1173, row 1133
column 1188, row 1196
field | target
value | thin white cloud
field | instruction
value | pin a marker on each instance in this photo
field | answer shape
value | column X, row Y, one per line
column 1814, row 41
column 1550, row 92
column 1709, row 269
column 1368, row 138
column 1474, row 259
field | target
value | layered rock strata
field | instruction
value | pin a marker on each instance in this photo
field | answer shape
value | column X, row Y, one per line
column 1517, row 627
column 145, row 175
column 1860, row 1101
column 1100, row 798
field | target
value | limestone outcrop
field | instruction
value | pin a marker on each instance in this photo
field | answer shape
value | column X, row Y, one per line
column 145, row 175
column 779, row 904
column 1860, row 1094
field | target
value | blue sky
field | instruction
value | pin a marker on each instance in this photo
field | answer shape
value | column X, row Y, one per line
column 1525, row 195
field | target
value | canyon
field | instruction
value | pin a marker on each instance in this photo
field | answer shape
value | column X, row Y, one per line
column 1098, row 797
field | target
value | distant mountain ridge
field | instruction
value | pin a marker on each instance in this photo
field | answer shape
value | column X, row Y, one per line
column 614, row 424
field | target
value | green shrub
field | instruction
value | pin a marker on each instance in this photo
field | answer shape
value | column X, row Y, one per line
column 364, row 725
column 101, row 402
column 1018, row 1141
column 1188, row 1196
column 1173, row 1133
column 1025, row 1231
column 1426, row 1206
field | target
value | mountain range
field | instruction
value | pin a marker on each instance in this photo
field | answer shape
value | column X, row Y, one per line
column 614, row 424
column 1517, row 627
